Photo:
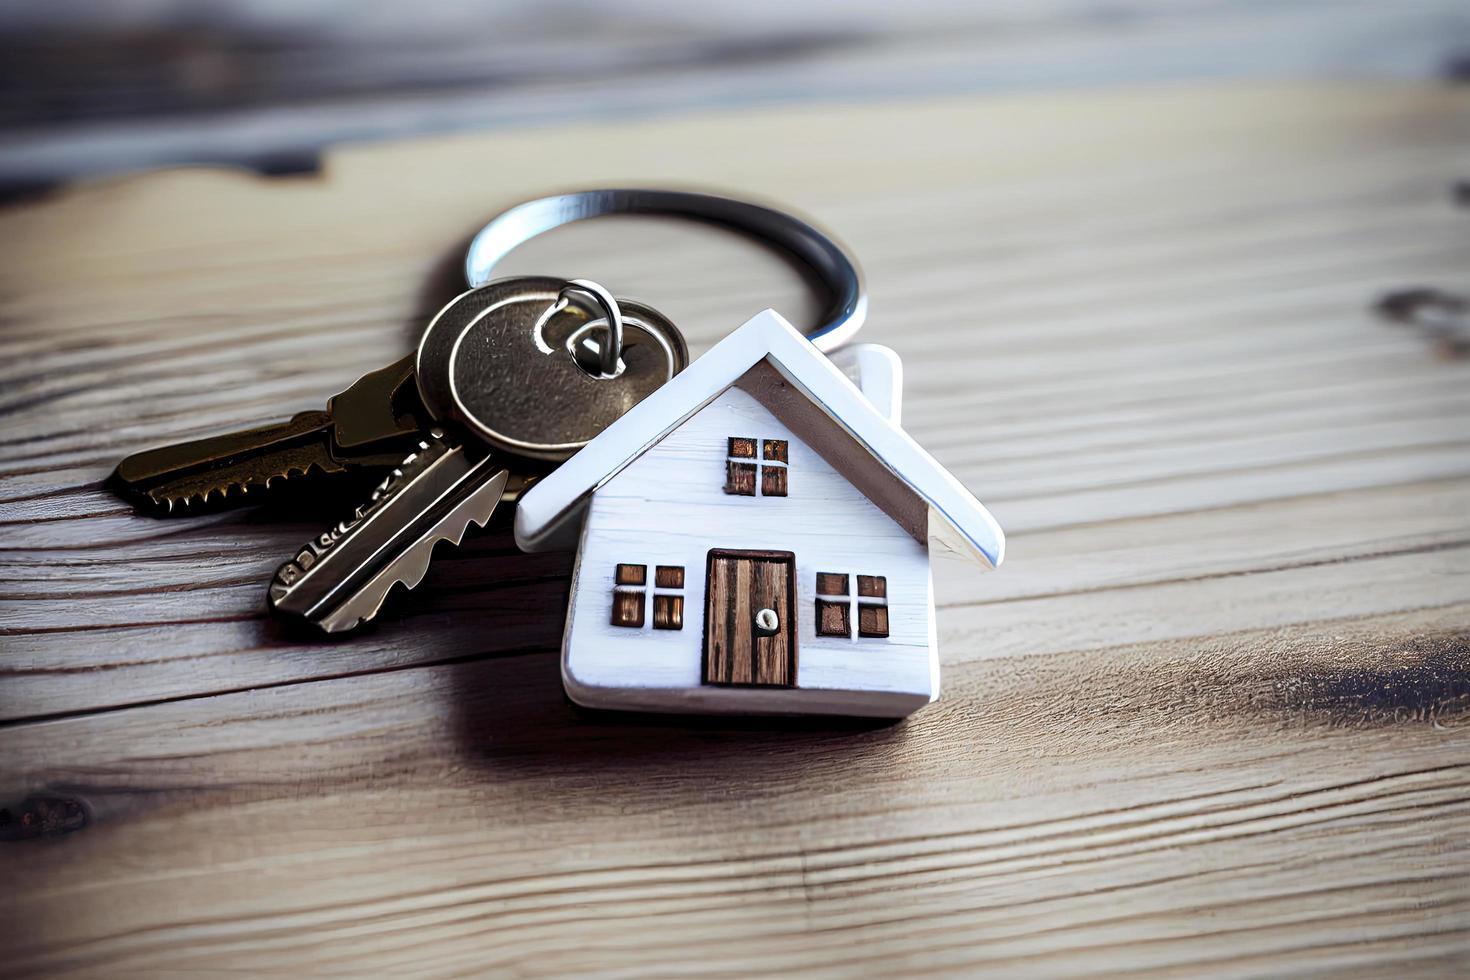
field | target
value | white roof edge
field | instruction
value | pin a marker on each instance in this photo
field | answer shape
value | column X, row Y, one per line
column 561, row 495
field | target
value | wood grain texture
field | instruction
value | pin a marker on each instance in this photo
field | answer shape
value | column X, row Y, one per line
column 832, row 583
column 740, row 479
column 627, row 608
column 741, row 585
column 773, row 481
column 89, row 88
column 832, row 617
column 668, row 612
column 1209, row 717
column 872, row 620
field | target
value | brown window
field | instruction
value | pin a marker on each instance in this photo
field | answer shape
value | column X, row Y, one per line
column 774, row 468
column 872, row 593
column 668, row 600
column 834, row 605
column 630, row 596
column 834, row 615
column 743, row 474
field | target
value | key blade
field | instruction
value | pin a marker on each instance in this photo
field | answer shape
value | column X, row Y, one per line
column 342, row 577
column 187, row 474
column 239, row 483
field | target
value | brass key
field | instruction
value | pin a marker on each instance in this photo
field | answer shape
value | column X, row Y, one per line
column 367, row 429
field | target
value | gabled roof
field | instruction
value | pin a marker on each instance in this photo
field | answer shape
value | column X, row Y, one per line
column 551, row 509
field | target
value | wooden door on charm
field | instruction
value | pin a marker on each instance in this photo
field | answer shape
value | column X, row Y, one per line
column 750, row 619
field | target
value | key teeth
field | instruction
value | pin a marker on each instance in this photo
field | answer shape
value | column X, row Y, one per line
column 169, row 504
column 411, row 572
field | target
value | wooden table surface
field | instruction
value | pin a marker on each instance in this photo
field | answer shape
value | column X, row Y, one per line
column 1209, row 718
column 90, row 88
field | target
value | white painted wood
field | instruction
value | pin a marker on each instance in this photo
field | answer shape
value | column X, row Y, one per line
column 669, row 508
column 878, row 373
column 547, row 516
column 650, row 491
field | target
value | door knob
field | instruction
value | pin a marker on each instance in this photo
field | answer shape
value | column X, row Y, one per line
column 767, row 622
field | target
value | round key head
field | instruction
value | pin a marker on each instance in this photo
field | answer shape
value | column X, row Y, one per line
column 501, row 361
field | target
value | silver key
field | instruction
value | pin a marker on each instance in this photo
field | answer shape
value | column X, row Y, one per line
column 523, row 379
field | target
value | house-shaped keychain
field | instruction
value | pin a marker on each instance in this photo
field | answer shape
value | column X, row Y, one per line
column 754, row 537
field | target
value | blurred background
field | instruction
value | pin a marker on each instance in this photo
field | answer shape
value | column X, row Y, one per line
column 90, row 88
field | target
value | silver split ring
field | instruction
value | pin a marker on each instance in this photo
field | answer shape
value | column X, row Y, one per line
column 833, row 266
column 594, row 298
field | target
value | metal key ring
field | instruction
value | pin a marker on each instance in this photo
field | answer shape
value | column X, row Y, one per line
column 834, row 267
column 579, row 293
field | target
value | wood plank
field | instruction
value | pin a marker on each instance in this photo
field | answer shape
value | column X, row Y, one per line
column 1209, row 717
column 773, row 588
column 735, row 652
column 93, row 90
column 1238, row 382
column 1106, row 400
column 1072, row 814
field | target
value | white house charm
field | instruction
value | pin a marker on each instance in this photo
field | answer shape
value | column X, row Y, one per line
column 754, row 538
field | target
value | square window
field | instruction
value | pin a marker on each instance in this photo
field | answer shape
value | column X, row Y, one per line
column 740, row 479
column 632, row 574
column 668, row 612
column 743, row 472
column 773, row 481
column 872, row 620
column 873, row 586
column 627, row 609
column 832, row 618
column 669, row 577
column 831, row 583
